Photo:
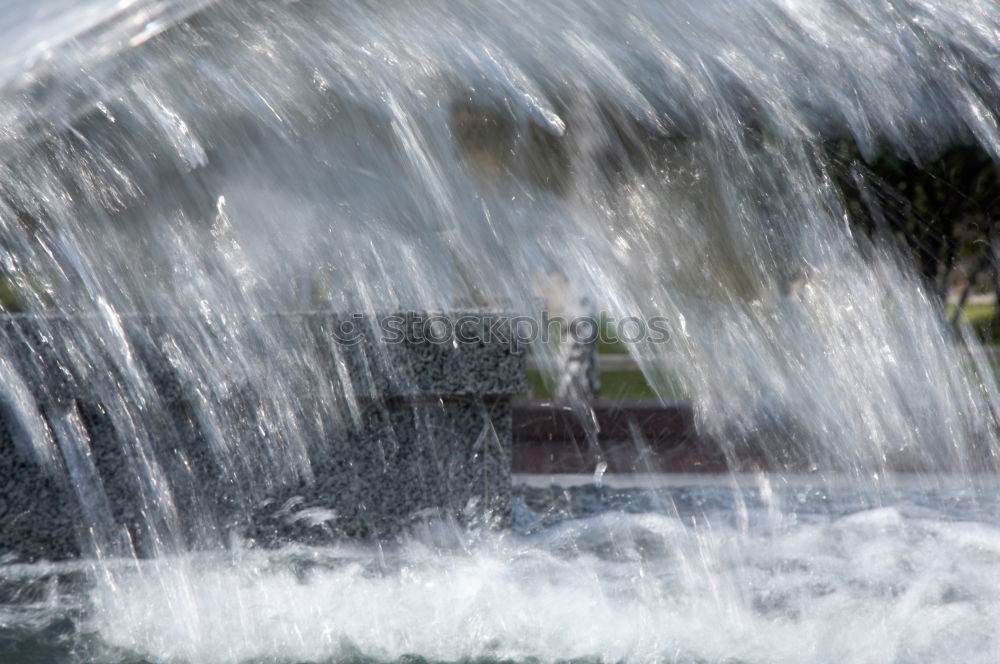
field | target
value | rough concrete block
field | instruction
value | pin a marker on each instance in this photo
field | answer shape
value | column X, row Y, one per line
column 428, row 433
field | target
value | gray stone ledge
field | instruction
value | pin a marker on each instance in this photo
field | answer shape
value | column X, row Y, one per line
column 431, row 433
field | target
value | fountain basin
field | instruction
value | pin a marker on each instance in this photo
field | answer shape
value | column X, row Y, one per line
column 426, row 430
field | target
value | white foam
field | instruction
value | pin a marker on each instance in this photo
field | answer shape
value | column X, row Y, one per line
column 872, row 587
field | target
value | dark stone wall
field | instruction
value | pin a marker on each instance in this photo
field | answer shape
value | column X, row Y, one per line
column 428, row 433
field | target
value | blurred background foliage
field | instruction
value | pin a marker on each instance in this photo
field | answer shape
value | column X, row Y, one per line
column 944, row 212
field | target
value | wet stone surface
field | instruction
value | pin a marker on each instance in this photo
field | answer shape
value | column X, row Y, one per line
column 430, row 432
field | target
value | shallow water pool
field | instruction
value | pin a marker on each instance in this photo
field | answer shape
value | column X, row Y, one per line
column 765, row 569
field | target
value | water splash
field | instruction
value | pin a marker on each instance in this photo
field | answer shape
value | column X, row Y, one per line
column 637, row 576
column 229, row 160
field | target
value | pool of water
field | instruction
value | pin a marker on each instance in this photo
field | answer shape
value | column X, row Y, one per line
column 764, row 569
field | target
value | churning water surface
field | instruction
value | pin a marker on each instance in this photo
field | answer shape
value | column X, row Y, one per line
column 768, row 569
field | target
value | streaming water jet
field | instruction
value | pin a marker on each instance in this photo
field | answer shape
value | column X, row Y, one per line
column 216, row 163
